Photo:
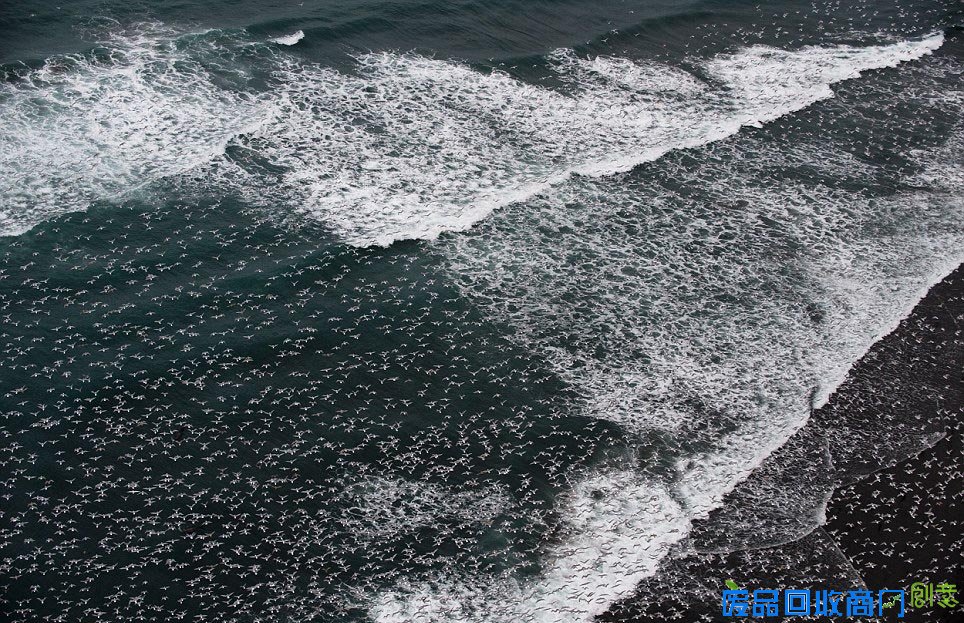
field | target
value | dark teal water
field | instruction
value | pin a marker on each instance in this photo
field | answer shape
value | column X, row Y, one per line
column 356, row 311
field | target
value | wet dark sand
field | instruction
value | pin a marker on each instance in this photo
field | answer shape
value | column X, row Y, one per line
column 888, row 451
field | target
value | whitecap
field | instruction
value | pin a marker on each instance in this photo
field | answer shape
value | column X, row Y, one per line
column 291, row 39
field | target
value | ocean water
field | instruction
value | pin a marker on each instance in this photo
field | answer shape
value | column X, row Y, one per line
column 442, row 312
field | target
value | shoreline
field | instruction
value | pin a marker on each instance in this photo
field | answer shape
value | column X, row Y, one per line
column 889, row 434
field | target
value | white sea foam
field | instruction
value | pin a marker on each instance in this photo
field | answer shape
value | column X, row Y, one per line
column 407, row 147
column 86, row 128
column 291, row 39
column 413, row 147
column 641, row 300
column 618, row 528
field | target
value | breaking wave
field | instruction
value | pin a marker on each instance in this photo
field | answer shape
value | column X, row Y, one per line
column 713, row 321
column 631, row 290
column 403, row 147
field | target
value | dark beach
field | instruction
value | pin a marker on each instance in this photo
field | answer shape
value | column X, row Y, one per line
column 892, row 437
